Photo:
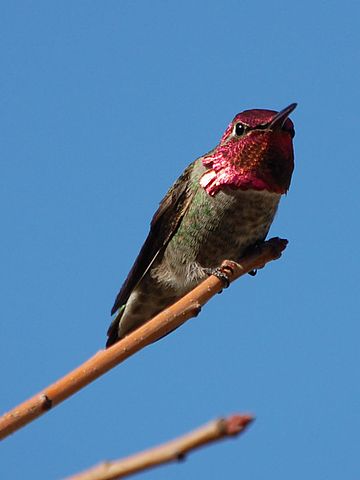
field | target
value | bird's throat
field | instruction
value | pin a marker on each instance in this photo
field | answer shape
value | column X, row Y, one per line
column 212, row 181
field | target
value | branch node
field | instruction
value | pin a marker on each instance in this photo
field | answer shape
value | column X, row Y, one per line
column 46, row 402
column 181, row 457
column 196, row 309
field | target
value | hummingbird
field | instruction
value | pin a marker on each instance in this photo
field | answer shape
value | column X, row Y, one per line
column 222, row 204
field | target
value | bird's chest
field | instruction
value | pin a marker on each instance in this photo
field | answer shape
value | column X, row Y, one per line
column 223, row 226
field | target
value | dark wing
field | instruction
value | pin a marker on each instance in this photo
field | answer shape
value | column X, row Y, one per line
column 163, row 226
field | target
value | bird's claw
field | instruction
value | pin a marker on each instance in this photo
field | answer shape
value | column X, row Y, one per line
column 220, row 274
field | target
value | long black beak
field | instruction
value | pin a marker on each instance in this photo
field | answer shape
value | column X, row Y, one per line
column 280, row 118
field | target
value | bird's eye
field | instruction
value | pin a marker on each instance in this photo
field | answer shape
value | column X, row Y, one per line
column 239, row 129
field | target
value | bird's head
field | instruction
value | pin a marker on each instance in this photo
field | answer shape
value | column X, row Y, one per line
column 255, row 152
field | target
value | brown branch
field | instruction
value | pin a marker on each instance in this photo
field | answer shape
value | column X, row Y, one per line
column 174, row 450
column 166, row 321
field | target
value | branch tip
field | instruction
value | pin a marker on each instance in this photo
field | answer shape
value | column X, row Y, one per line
column 278, row 245
column 237, row 423
column 174, row 450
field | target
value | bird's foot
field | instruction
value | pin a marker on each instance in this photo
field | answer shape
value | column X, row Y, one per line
column 220, row 274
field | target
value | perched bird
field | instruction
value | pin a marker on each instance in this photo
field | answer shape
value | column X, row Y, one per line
column 224, row 202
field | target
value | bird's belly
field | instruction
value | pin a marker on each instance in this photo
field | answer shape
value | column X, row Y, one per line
column 215, row 229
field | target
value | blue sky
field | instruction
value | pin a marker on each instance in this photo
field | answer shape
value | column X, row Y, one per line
column 103, row 104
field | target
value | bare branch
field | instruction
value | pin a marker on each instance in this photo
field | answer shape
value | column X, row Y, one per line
column 174, row 450
column 166, row 321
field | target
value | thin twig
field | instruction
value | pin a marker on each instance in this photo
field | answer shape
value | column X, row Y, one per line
column 166, row 321
column 174, row 450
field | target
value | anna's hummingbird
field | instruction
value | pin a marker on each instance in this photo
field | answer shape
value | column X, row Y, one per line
column 224, row 202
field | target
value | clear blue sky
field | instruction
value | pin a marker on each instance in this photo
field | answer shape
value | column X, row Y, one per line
column 103, row 104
